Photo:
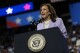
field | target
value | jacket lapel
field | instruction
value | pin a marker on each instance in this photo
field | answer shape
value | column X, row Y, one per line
column 52, row 24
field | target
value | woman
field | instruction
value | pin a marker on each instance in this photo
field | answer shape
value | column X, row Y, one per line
column 50, row 19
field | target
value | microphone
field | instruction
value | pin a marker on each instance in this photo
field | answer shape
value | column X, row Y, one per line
column 35, row 22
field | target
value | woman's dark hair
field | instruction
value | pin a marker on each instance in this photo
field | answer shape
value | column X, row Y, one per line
column 53, row 14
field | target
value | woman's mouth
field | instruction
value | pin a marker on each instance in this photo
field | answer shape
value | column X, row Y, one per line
column 42, row 14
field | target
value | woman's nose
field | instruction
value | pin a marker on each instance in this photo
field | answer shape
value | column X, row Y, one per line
column 42, row 11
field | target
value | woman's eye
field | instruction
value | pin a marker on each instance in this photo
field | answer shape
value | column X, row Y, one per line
column 44, row 9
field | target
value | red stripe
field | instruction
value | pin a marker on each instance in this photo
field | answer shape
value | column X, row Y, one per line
column 11, row 24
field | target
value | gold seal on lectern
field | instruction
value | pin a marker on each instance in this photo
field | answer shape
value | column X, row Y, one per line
column 36, row 42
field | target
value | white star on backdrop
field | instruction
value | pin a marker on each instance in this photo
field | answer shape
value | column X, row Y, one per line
column 9, row 10
column 18, row 21
column 29, row 18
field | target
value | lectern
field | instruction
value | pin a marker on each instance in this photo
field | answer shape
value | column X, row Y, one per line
column 42, row 41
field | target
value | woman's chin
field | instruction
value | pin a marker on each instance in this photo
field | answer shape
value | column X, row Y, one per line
column 43, row 17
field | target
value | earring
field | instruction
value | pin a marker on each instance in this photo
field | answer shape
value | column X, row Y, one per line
column 49, row 13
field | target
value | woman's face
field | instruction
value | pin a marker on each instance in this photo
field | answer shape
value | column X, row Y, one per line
column 45, row 12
